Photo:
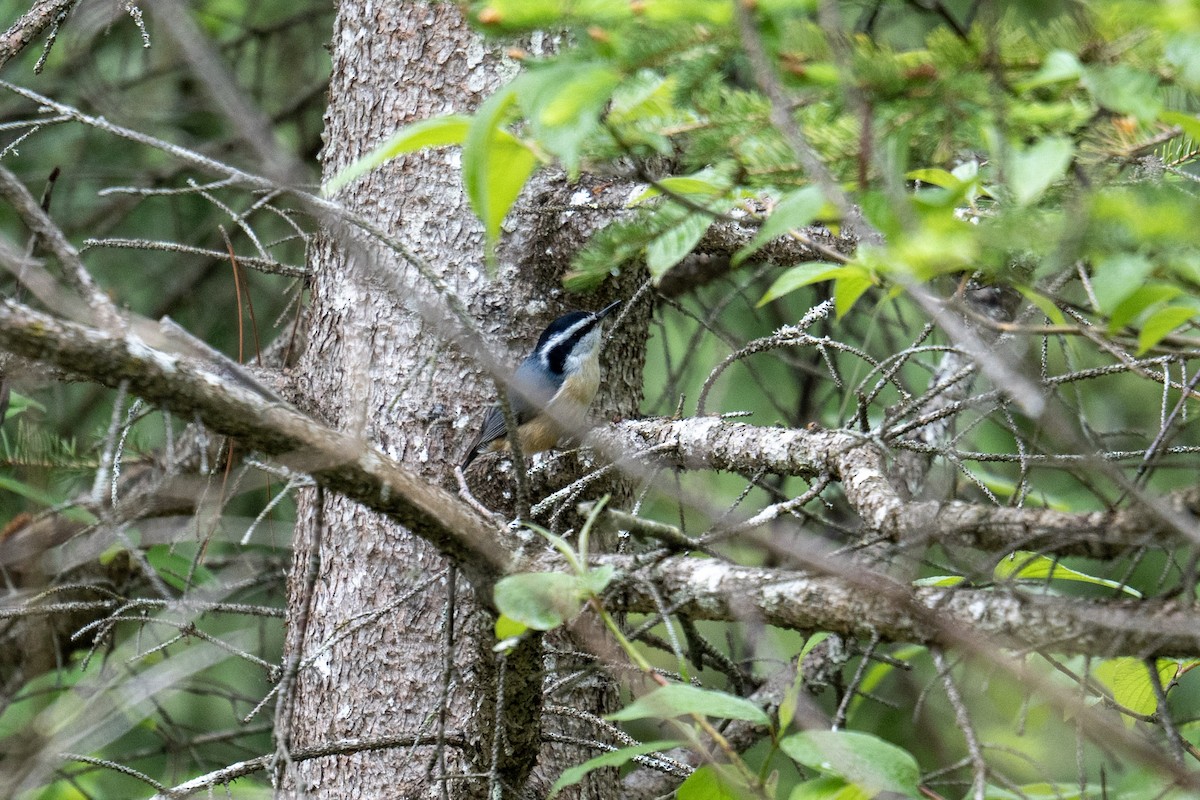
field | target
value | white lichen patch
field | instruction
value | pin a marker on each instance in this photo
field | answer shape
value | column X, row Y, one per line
column 707, row 577
column 323, row 664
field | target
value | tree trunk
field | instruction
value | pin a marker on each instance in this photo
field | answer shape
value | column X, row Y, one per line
column 368, row 603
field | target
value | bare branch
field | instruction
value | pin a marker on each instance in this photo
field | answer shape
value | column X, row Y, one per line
column 865, row 603
column 335, row 460
column 40, row 16
column 861, row 466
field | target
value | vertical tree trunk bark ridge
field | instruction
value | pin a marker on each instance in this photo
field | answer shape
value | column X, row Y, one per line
column 378, row 368
column 371, row 636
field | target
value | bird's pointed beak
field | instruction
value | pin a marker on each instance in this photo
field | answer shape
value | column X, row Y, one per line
column 604, row 312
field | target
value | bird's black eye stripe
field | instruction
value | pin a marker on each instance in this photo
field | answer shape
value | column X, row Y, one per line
column 557, row 356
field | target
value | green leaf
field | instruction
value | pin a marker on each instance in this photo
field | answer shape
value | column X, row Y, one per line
column 1129, row 681
column 509, row 628
column 799, row 276
column 678, row 699
column 1044, row 304
column 1059, row 66
column 1141, row 299
column 563, row 104
column 614, row 758
column 436, row 132
column 646, row 96
column 848, row 287
column 19, row 404
column 1183, row 53
column 1024, row 565
column 41, row 497
column 668, row 248
column 791, row 697
column 937, row 177
column 939, row 581
column 540, row 600
column 1035, row 791
column 1031, row 170
column 174, row 567
column 812, row 642
column 1188, row 122
column 495, row 164
column 1125, row 90
column 828, row 787
column 715, row 782
column 596, row 580
column 1117, row 276
column 864, row 760
column 876, row 673
column 794, row 210
column 1161, row 323
column 684, row 185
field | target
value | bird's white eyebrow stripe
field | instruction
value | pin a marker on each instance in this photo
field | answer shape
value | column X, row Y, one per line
column 559, row 338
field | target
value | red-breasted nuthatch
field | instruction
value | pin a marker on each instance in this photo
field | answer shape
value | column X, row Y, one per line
column 551, row 389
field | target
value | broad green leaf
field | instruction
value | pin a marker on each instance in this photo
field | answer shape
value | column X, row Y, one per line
column 41, row 497
column 436, row 132
column 791, row 697
column 648, row 95
column 941, row 243
column 1035, row 791
column 709, row 12
column 956, row 188
column 508, row 628
column 1190, row 123
column 686, row 185
column 596, row 580
column 1118, row 276
column 495, row 164
column 19, row 404
column 668, row 248
column 858, row 758
column 812, row 642
column 876, row 674
column 1142, row 298
column 828, row 787
column 1044, row 304
column 614, row 758
column 799, row 276
column 563, row 104
column 540, row 600
column 715, row 782
column 794, row 210
column 1031, row 170
column 19, row 716
column 1024, row 565
column 939, row 581
column 1059, row 66
column 175, row 568
column 1129, row 681
column 1183, row 53
column 678, row 699
column 848, row 287
column 1161, row 323
column 527, row 14
column 932, row 175
column 1125, row 90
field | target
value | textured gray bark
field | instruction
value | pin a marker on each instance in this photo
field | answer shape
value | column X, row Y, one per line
column 372, row 636
column 378, row 368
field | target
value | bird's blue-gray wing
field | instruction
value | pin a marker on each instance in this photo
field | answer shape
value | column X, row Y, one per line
column 529, row 394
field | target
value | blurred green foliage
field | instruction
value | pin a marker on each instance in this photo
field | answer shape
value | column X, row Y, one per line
column 1048, row 147
column 194, row 718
